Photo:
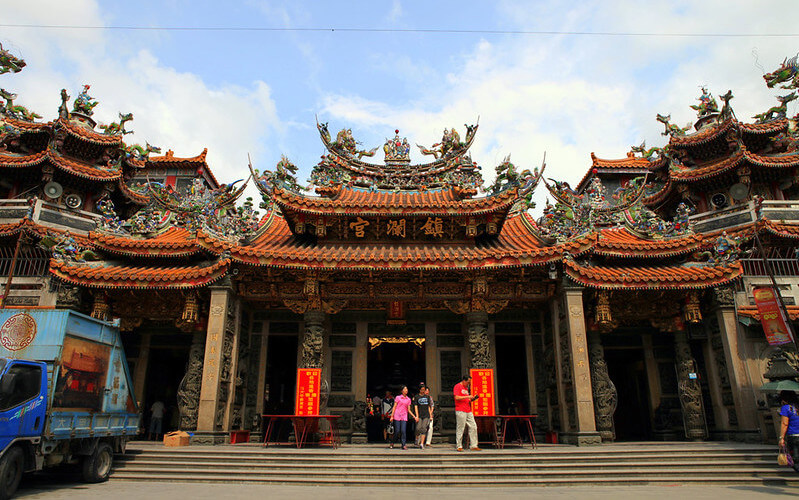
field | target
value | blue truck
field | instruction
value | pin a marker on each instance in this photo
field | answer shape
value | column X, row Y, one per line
column 65, row 394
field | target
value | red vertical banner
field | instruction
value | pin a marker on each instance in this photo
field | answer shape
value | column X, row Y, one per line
column 772, row 318
column 308, row 385
column 483, row 384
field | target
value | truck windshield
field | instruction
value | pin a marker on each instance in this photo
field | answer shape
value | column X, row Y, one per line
column 20, row 384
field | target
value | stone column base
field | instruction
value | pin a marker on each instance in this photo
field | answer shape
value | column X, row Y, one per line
column 210, row 437
column 589, row 438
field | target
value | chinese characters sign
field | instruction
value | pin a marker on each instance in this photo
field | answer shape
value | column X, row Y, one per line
column 308, row 384
column 483, row 384
column 397, row 228
column 771, row 316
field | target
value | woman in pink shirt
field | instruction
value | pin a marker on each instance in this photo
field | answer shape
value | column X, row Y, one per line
column 399, row 415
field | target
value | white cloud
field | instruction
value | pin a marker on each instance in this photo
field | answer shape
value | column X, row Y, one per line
column 172, row 109
column 570, row 96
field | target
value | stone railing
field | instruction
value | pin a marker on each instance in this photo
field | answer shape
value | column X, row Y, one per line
column 48, row 214
column 739, row 215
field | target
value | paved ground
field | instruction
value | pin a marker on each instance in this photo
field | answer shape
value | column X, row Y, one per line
column 53, row 488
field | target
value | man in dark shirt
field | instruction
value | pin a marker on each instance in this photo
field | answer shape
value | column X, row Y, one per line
column 423, row 411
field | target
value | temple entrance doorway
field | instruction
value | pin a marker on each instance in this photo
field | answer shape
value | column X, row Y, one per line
column 513, row 396
column 166, row 367
column 627, row 370
column 390, row 365
column 281, row 374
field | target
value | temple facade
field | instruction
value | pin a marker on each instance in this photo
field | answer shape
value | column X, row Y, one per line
column 625, row 312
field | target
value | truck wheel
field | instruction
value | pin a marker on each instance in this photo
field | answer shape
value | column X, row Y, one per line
column 97, row 466
column 11, row 467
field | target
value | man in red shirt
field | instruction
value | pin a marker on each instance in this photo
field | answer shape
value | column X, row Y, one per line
column 463, row 414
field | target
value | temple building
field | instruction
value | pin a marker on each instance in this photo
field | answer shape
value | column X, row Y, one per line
column 625, row 312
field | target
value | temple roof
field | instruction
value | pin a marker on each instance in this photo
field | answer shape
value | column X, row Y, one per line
column 106, row 275
column 79, row 169
column 515, row 246
column 195, row 164
column 652, row 278
column 631, row 164
column 88, row 134
column 173, row 242
column 752, row 312
column 356, row 201
column 622, row 242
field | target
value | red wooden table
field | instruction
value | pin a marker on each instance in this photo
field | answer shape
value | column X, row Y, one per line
column 303, row 425
column 499, row 427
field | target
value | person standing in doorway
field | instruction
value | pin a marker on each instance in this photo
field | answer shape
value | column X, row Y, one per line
column 385, row 411
column 429, row 439
column 156, row 419
column 399, row 415
column 463, row 414
column 423, row 413
column 789, row 428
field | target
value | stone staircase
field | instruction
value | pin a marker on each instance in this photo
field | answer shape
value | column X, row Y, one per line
column 549, row 465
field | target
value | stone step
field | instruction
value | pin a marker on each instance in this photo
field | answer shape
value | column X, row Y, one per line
column 786, row 478
column 707, row 463
column 414, row 465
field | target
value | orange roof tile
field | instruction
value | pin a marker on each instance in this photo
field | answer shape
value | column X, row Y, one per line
column 515, row 246
column 764, row 128
column 141, row 199
column 774, row 161
column 621, row 242
column 120, row 276
column 779, row 228
column 27, row 126
column 703, row 136
column 193, row 162
column 91, row 172
column 353, row 201
column 752, row 312
column 652, row 278
column 709, row 169
column 89, row 135
column 174, row 242
column 631, row 164
column 11, row 160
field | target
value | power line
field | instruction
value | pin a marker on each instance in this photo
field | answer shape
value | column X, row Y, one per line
column 403, row 30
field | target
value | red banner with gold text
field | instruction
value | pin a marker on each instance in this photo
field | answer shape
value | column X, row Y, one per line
column 771, row 316
column 483, row 384
column 308, row 384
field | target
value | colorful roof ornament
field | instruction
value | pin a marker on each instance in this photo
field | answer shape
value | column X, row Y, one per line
column 397, row 151
column 707, row 104
column 787, row 73
column 10, row 63
column 84, row 104
column 526, row 182
column 15, row 111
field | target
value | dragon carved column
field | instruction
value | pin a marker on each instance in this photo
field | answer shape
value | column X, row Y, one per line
column 605, row 395
column 189, row 389
column 312, row 342
column 689, row 390
column 479, row 345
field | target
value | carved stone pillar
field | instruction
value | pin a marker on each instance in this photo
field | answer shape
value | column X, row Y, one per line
column 743, row 398
column 189, row 389
column 580, row 368
column 693, row 412
column 605, row 395
column 479, row 345
column 313, row 340
column 212, row 366
column 140, row 371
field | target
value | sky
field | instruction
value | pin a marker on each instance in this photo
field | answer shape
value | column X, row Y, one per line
column 260, row 92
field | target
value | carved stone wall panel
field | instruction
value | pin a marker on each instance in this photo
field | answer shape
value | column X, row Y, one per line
column 188, row 394
column 689, row 390
column 605, row 395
